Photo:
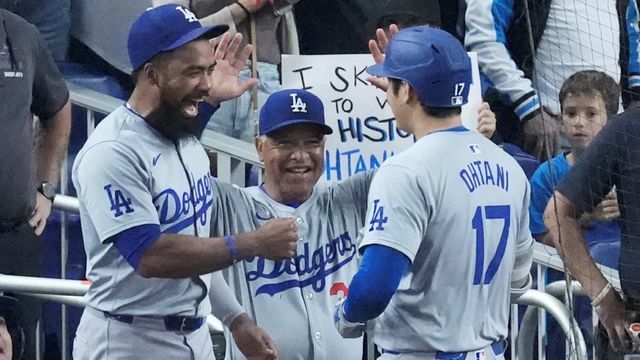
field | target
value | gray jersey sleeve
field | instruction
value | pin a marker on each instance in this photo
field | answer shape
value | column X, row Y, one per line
column 397, row 210
column 224, row 304
column 524, row 243
column 228, row 205
column 354, row 191
column 114, row 189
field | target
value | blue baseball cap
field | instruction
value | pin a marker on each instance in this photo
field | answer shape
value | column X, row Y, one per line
column 10, row 310
column 165, row 28
column 290, row 107
column 432, row 61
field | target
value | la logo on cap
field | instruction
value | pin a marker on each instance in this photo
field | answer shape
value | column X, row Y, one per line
column 297, row 105
column 188, row 15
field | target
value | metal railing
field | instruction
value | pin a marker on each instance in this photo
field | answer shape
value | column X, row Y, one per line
column 234, row 157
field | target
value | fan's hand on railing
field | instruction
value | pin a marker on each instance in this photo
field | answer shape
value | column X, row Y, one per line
column 229, row 61
column 616, row 321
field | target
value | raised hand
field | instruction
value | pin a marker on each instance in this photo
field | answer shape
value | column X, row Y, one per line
column 378, row 48
column 230, row 59
column 486, row 120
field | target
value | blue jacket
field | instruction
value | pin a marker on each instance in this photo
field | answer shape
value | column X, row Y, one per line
column 498, row 31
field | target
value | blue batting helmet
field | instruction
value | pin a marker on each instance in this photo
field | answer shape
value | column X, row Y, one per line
column 432, row 61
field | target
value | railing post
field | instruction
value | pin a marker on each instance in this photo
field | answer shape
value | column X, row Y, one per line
column 556, row 309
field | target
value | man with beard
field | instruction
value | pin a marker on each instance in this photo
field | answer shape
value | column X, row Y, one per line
column 142, row 180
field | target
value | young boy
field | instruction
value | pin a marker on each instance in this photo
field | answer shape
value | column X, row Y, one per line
column 587, row 99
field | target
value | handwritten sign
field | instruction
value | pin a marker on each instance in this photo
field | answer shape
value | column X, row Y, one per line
column 365, row 132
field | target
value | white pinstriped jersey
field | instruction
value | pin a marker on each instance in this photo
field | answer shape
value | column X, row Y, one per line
column 457, row 206
column 126, row 175
column 293, row 300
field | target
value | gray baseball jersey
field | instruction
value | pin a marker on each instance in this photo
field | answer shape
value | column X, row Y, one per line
column 457, row 206
column 126, row 175
column 293, row 300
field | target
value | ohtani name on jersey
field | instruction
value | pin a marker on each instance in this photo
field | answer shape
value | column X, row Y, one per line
column 479, row 173
column 312, row 267
column 172, row 206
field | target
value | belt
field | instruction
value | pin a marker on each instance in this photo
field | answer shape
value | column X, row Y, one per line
column 183, row 324
column 12, row 224
column 498, row 348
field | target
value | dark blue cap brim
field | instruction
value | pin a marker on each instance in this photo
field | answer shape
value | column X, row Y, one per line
column 377, row 70
column 326, row 129
column 208, row 32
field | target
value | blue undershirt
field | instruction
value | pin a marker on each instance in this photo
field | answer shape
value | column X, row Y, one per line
column 132, row 243
column 375, row 282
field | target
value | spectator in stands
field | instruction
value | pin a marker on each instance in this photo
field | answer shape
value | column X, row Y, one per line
column 51, row 17
column 566, row 40
column 275, row 35
column 30, row 84
column 612, row 159
column 99, row 36
column 345, row 26
column 587, row 99
column 11, row 332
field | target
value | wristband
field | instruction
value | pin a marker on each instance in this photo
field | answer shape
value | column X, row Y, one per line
column 231, row 245
column 243, row 8
column 605, row 290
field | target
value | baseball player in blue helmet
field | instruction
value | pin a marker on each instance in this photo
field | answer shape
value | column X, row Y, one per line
column 146, row 200
column 446, row 235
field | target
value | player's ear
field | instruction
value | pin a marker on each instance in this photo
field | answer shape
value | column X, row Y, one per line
column 150, row 72
column 259, row 144
column 410, row 96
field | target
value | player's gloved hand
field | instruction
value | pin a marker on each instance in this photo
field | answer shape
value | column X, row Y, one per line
column 252, row 340
column 615, row 320
column 519, row 287
column 345, row 327
column 277, row 239
column 542, row 135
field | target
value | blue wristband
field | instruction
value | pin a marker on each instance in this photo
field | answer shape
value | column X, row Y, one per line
column 231, row 245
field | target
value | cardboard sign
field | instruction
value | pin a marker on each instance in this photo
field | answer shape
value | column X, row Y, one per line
column 365, row 132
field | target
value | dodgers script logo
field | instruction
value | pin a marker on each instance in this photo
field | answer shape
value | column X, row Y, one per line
column 172, row 206
column 312, row 267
